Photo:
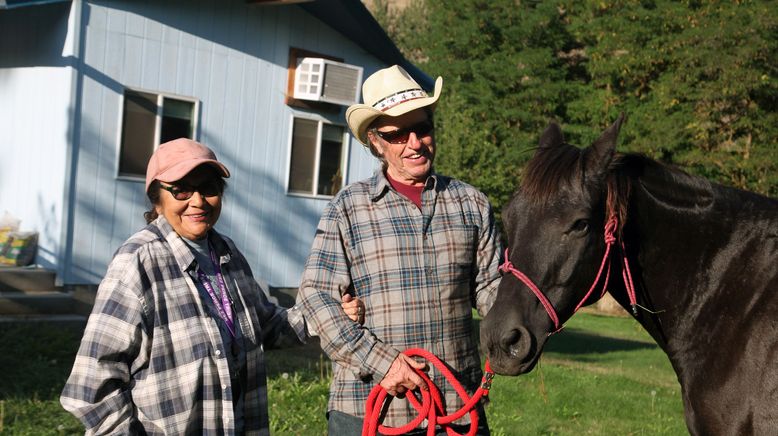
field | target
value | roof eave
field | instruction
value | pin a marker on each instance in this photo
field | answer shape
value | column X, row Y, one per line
column 352, row 19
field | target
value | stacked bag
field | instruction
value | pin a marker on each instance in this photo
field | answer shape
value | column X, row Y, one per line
column 17, row 248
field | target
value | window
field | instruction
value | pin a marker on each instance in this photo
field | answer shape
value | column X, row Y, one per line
column 317, row 164
column 150, row 119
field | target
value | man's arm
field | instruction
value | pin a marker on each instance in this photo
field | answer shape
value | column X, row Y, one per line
column 488, row 257
column 325, row 280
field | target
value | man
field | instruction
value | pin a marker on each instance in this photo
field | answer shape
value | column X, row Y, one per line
column 420, row 249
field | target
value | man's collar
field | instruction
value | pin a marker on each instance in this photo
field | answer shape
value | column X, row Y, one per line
column 379, row 184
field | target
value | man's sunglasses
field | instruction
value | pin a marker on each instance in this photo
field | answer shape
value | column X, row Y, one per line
column 400, row 136
column 210, row 188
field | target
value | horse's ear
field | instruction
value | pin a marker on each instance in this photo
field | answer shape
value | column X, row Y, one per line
column 602, row 150
column 551, row 137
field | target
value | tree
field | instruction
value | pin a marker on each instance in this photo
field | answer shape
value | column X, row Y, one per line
column 696, row 79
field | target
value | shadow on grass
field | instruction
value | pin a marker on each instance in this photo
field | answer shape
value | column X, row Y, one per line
column 36, row 358
column 308, row 360
column 572, row 341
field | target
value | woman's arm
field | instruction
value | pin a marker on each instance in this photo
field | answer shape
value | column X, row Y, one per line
column 98, row 389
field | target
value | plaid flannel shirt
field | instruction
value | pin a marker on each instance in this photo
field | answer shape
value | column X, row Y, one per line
column 419, row 272
column 152, row 361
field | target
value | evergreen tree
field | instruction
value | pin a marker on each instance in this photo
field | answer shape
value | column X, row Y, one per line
column 697, row 80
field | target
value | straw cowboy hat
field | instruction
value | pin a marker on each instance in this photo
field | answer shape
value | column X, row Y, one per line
column 391, row 92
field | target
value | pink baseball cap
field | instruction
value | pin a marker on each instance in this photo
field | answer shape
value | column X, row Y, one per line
column 175, row 159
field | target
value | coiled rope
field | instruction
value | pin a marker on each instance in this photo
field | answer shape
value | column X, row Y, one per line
column 431, row 405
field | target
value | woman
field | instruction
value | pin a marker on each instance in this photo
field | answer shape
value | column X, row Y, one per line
column 175, row 341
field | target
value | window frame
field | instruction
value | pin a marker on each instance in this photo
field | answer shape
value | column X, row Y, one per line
column 157, row 125
column 346, row 142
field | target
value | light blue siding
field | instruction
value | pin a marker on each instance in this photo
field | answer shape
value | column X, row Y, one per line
column 35, row 121
column 233, row 58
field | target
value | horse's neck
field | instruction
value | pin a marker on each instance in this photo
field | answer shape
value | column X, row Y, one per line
column 686, row 236
column 680, row 216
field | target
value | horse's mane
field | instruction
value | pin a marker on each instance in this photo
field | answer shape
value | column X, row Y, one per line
column 555, row 169
column 551, row 170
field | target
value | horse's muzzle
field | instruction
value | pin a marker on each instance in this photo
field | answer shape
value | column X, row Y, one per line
column 512, row 351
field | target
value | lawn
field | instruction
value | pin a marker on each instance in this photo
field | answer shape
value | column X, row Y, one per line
column 601, row 376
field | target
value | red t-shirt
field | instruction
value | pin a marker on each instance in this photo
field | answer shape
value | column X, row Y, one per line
column 412, row 193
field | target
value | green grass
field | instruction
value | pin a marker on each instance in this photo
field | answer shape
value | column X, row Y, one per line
column 600, row 376
column 34, row 363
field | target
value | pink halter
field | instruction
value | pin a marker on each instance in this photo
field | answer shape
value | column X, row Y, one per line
column 610, row 238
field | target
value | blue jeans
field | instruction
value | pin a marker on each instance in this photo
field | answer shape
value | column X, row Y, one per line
column 341, row 424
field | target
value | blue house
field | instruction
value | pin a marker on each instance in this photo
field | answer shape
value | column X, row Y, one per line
column 89, row 88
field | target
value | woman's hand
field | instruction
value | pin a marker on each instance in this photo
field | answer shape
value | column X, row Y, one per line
column 354, row 308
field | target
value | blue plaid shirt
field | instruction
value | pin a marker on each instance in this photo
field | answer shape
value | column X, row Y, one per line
column 152, row 359
column 419, row 272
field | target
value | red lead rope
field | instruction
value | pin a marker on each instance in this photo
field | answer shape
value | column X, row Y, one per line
column 431, row 405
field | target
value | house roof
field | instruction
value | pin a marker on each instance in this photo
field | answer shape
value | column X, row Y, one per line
column 9, row 4
column 352, row 19
column 349, row 17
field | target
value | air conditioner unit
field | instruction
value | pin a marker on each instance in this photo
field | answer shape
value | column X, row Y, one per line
column 319, row 79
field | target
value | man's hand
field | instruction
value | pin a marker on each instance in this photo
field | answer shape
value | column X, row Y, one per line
column 402, row 377
column 354, row 308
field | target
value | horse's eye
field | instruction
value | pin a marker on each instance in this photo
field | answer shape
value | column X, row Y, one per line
column 580, row 226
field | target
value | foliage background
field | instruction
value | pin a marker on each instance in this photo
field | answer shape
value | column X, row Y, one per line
column 697, row 80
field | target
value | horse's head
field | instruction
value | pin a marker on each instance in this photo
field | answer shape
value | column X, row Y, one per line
column 554, row 225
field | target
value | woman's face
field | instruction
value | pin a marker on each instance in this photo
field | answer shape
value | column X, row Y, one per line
column 194, row 217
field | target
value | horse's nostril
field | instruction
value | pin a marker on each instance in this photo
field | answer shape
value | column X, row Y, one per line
column 510, row 338
column 516, row 343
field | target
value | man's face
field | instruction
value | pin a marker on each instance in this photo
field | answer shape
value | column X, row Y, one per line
column 409, row 160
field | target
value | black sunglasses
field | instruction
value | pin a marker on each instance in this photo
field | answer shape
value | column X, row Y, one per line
column 400, row 136
column 210, row 188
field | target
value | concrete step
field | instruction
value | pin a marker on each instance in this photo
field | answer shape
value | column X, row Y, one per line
column 26, row 279
column 38, row 303
column 74, row 300
column 75, row 320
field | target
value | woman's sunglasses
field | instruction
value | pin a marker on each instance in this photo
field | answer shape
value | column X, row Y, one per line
column 210, row 188
column 400, row 136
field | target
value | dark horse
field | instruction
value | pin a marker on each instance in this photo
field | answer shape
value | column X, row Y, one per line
column 703, row 259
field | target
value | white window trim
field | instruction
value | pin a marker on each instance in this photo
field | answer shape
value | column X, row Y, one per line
column 157, row 125
column 344, row 163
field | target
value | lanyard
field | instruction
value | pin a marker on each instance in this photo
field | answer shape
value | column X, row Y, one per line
column 223, row 306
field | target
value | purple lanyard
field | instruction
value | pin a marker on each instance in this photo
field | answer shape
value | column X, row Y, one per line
column 223, row 306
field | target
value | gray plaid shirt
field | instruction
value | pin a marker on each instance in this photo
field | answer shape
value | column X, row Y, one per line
column 152, row 360
column 419, row 272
